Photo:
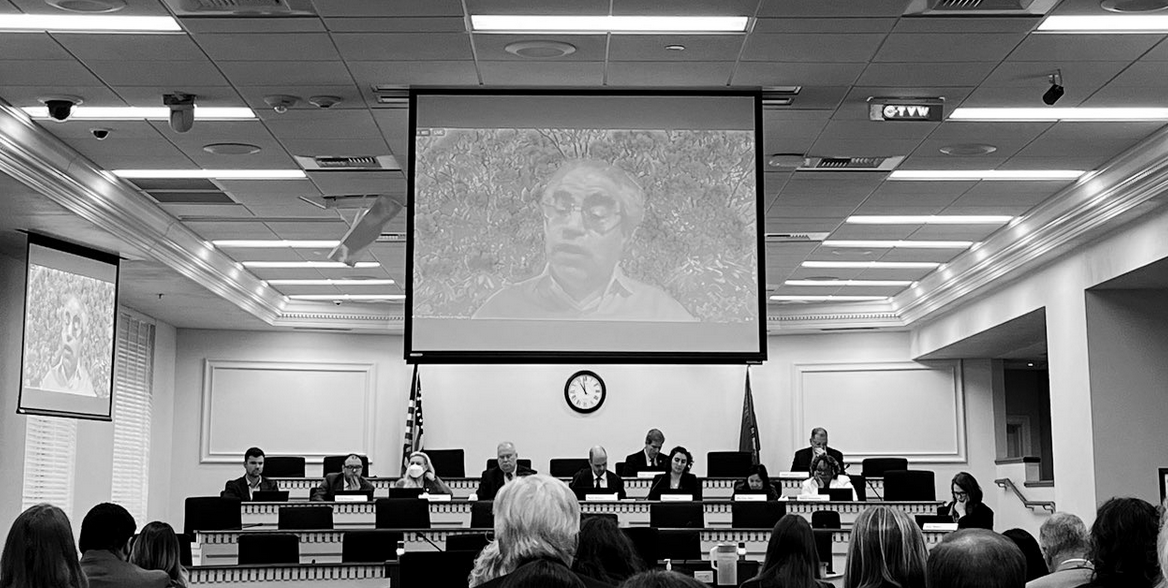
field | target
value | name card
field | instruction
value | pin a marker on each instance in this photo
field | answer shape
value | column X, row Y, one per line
column 939, row 527
column 600, row 497
column 794, row 475
column 350, row 498
column 649, row 475
column 813, row 498
column 436, row 497
column 676, row 498
column 750, row 498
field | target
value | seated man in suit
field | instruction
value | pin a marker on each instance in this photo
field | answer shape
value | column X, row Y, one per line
column 803, row 457
column 252, row 480
column 349, row 478
column 507, row 470
column 105, row 546
column 596, row 479
column 648, row 459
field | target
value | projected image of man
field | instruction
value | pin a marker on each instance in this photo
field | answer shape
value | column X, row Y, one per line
column 590, row 210
column 68, row 374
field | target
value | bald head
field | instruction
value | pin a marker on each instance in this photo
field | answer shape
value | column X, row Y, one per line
column 976, row 558
column 598, row 460
column 508, row 457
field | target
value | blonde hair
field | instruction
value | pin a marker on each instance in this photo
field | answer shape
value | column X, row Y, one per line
column 156, row 548
column 885, row 548
column 536, row 516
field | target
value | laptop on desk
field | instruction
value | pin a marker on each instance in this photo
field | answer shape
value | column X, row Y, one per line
column 406, row 492
column 269, row 496
column 837, row 494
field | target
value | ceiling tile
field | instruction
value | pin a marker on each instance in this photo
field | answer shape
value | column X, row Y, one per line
column 769, row 73
column 243, row 25
column 493, row 47
column 212, row 230
column 16, row 72
column 823, row 25
column 845, row 147
column 1158, row 53
column 350, row 96
column 175, row 74
column 686, row 7
column 424, row 24
column 253, row 191
column 530, row 7
column 403, row 46
column 1142, row 73
column 857, row 232
column 279, row 73
column 1036, row 74
column 132, row 8
column 207, row 210
column 120, row 129
column 325, row 124
column 1116, row 95
column 927, row 157
column 967, row 24
column 316, row 230
column 647, row 73
column 29, row 95
column 205, row 95
column 1083, row 47
column 955, row 232
column 780, row 211
column 359, row 182
column 866, row 129
column 832, row 8
column 1082, row 138
column 652, row 47
column 542, row 73
column 928, row 47
column 994, row 196
column 337, row 147
column 868, row 232
column 414, row 73
column 269, row 47
column 408, row 8
column 118, row 153
column 925, row 74
column 31, row 46
column 817, row 48
column 118, row 47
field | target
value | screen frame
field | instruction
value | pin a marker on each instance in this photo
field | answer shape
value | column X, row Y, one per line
column 413, row 356
column 95, row 255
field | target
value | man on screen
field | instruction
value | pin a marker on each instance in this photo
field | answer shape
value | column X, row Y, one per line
column 69, row 373
column 590, row 210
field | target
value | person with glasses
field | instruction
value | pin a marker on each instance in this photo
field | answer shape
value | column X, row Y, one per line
column 349, row 478
column 967, row 509
column 590, row 211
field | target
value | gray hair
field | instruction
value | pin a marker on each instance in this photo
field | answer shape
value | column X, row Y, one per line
column 1162, row 544
column 1063, row 534
column 536, row 516
column 654, row 435
column 628, row 192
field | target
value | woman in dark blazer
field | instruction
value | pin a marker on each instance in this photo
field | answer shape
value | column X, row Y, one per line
column 678, row 478
column 967, row 509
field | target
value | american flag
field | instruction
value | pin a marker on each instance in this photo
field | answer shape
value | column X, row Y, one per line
column 413, row 441
column 748, row 433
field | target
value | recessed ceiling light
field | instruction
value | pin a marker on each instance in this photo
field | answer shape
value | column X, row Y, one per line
column 144, row 112
column 231, row 148
column 899, row 244
column 841, row 283
column 88, row 6
column 1127, row 6
column 308, row 264
column 987, row 174
column 211, row 174
column 789, row 298
column 872, row 264
column 88, row 23
column 787, row 160
column 500, row 23
column 929, row 219
column 968, row 149
column 347, row 296
column 273, row 244
column 675, row 47
column 331, row 282
column 540, row 49
column 1068, row 114
column 1110, row 24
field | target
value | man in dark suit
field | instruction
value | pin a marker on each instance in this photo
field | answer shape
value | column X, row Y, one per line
column 252, row 480
column 349, row 478
column 596, row 479
column 803, row 457
column 507, row 470
column 105, row 545
column 648, row 459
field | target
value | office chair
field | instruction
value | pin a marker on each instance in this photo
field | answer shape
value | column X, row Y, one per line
column 283, row 467
column 644, row 540
column 305, row 518
column 494, row 463
column 679, row 544
column 909, row 485
column 677, row 515
column 823, row 547
column 334, row 463
column 448, row 569
column 268, row 548
column 874, row 467
column 859, row 484
column 756, row 515
column 825, row 519
column 211, row 513
column 370, row 546
column 448, row 463
column 402, row 513
column 482, row 515
column 467, row 542
column 566, row 467
column 728, row 464
column 619, row 469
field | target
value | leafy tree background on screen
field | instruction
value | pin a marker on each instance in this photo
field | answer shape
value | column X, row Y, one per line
column 478, row 224
column 48, row 289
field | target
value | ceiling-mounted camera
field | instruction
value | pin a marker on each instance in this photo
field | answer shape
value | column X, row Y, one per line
column 182, row 110
column 60, row 107
column 100, row 134
column 325, row 101
column 281, row 102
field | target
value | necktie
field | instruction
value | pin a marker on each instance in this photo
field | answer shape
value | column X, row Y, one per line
column 509, row 476
column 600, row 481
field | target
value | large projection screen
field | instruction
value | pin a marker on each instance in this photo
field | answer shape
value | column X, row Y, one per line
column 70, row 308
column 561, row 226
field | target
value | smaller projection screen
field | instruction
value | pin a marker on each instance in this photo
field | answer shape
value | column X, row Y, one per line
column 568, row 225
column 70, row 306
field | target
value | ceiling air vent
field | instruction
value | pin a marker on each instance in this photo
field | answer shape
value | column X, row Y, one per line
column 348, row 162
column 391, row 96
column 795, row 237
column 242, row 7
column 851, row 163
column 978, row 7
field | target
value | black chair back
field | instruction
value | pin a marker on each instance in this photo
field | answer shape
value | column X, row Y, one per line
column 334, row 463
column 728, row 464
column 860, row 485
column 679, row 544
column 874, row 467
column 909, row 485
column 823, row 543
column 448, row 463
column 467, row 542
column 268, row 548
column 756, row 515
column 566, row 467
column 405, row 492
column 402, row 513
column 482, row 515
column 305, row 518
column 619, row 469
column 494, row 463
column 644, row 541
column 425, row 569
column 676, row 515
column 283, row 467
column 825, row 519
column 370, row 546
column 184, row 549
column 211, row 513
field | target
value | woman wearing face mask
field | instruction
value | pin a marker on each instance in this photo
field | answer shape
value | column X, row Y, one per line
column 420, row 474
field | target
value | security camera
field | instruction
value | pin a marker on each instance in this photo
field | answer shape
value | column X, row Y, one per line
column 281, row 102
column 61, row 107
column 182, row 110
column 100, row 134
column 1056, row 90
column 325, row 101
column 337, row 302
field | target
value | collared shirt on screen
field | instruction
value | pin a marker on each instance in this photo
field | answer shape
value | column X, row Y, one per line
column 542, row 298
column 57, row 381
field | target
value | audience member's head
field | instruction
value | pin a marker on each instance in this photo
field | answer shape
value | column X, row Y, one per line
column 536, row 517
column 1162, row 543
column 542, row 573
column 680, row 460
column 791, row 558
column 1028, row 545
column 1123, row 544
column 488, row 565
column 976, row 558
column 156, row 548
column 662, row 579
column 965, row 486
column 39, row 551
column 757, row 477
column 107, row 527
column 886, row 548
column 1063, row 536
column 604, row 553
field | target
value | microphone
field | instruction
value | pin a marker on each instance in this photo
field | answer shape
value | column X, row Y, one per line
column 427, row 540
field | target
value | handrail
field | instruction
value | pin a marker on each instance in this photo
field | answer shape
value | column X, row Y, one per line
column 1008, row 484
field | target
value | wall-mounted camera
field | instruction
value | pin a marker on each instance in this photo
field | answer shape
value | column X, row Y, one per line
column 182, row 110
column 100, row 134
column 60, row 107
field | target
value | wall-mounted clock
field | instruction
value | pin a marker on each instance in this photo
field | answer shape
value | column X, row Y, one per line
column 585, row 392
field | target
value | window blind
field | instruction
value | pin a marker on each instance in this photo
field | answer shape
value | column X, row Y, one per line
column 133, row 394
column 50, row 452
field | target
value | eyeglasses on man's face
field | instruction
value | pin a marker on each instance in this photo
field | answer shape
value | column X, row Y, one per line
column 353, row 468
column 598, row 213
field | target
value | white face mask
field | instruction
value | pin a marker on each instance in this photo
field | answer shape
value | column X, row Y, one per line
column 415, row 471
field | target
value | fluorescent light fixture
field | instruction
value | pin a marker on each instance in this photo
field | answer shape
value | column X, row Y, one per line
column 826, row 298
column 1071, row 114
column 899, row 244
column 986, row 174
column 211, row 174
column 330, row 282
column 273, row 244
column 88, row 23
column 307, row 264
column 872, row 264
column 853, row 283
column 1106, row 24
column 347, row 297
column 144, row 113
column 502, row 23
column 929, row 220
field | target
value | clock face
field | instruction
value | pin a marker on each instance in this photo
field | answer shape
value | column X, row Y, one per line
column 584, row 392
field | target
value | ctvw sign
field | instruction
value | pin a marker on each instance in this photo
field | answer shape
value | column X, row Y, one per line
column 918, row 109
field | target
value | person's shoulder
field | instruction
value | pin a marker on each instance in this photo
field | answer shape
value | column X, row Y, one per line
column 590, row 582
column 664, row 306
column 510, row 301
